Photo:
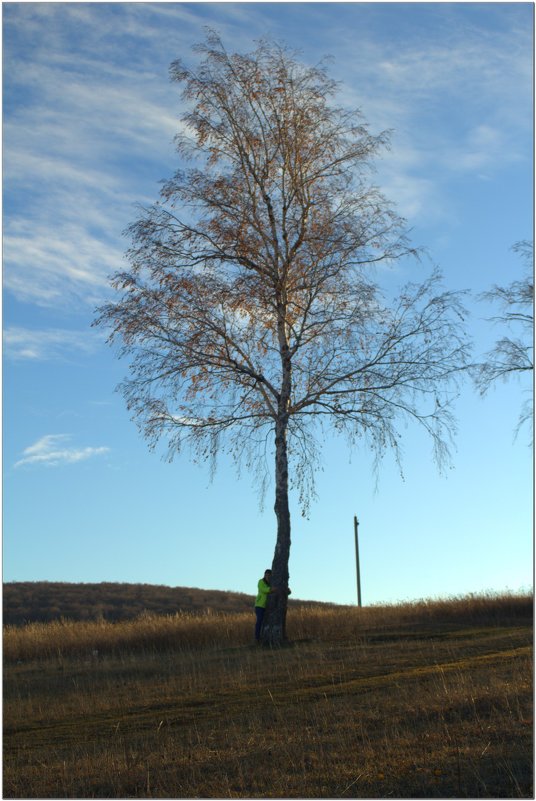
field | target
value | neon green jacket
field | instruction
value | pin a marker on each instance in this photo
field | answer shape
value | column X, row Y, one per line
column 263, row 593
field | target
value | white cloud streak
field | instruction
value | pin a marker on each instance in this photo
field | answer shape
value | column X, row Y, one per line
column 85, row 137
column 89, row 116
column 458, row 100
column 46, row 266
column 53, row 450
column 28, row 344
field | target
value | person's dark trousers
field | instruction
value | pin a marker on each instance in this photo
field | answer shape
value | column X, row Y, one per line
column 259, row 611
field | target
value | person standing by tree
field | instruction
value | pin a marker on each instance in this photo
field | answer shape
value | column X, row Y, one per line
column 264, row 589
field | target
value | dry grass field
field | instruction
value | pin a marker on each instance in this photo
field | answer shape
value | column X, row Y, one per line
column 424, row 700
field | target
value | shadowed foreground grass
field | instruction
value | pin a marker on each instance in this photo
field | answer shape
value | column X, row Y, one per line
column 412, row 701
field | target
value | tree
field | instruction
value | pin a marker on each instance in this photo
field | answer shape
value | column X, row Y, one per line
column 513, row 354
column 251, row 308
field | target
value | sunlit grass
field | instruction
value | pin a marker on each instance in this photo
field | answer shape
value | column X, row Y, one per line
column 182, row 630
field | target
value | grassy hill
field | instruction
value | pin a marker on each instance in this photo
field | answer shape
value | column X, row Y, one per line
column 44, row 601
column 424, row 700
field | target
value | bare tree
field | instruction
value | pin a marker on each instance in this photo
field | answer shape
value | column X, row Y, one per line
column 513, row 354
column 251, row 307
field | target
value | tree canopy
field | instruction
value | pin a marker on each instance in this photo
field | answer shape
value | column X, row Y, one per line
column 252, row 307
column 512, row 355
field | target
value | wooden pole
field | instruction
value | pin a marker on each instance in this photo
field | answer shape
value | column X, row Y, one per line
column 358, row 572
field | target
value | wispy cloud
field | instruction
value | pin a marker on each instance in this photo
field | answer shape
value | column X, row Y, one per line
column 53, row 450
column 42, row 345
column 94, row 134
column 48, row 267
column 457, row 99
column 80, row 151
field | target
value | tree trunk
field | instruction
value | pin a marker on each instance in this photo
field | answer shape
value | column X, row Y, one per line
column 274, row 632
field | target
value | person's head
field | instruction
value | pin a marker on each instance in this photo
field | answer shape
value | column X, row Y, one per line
column 267, row 576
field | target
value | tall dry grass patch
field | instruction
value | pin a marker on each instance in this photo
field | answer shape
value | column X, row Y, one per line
column 160, row 633
column 424, row 700
column 147, row 633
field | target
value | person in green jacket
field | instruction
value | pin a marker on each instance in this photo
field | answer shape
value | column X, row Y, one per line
column 264, row 589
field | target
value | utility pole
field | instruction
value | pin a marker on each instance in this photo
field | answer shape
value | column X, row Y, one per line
column 358, row 572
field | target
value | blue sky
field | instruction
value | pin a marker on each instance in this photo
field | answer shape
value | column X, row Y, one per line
column 89, row 119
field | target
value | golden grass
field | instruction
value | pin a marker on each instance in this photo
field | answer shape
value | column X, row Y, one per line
column 211, row 628
column 421, row 700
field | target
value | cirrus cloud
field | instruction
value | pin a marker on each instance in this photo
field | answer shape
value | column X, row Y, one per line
column 53, row 450
column 39, row 345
